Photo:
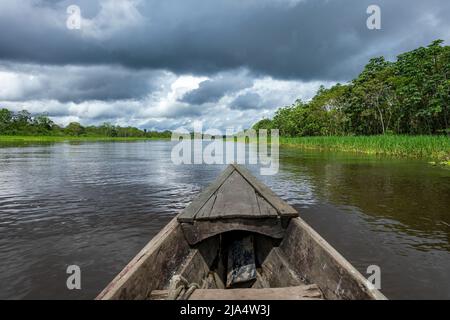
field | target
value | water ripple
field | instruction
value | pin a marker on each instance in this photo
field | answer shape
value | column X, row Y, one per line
column 97, row 204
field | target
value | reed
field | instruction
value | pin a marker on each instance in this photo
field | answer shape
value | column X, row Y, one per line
column 436, row 148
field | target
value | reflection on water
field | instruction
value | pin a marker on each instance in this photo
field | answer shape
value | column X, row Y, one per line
column 405, row 196
column 97, row 204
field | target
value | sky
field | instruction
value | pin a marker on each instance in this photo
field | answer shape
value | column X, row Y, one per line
column 163, row 64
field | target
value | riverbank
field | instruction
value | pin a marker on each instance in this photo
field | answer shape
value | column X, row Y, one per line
column 27, row 139
column 435, row 149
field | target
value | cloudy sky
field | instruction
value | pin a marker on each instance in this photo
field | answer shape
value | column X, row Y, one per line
column 161, row 64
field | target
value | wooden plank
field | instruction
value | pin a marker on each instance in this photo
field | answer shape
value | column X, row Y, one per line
column 235, row 195
column 276, row 271
column 318, row 262
column 210, row 249
column 235, row 198
column 304, row 292
column 194, row 269
column 213, row 281
column 260, row 282
column 283, row 208
column 191, row 210
column 265, row 208
column 205, row 211
column 159, row 295
column 203, row 229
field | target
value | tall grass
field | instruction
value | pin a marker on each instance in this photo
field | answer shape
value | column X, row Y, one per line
column 435, row 148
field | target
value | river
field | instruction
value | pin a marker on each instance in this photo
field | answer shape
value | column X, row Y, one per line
column 97, row 204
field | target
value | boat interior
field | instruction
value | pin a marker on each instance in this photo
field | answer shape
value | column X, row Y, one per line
column 229, row 265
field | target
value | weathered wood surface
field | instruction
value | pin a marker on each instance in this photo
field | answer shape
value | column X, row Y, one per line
column 261, row 282
column 213, row 281
column 265, row 208
column 282, row 207
column 303, row 292
column 201, row 230
column 204, row 212
column 276, row 272
column 159, row 295
column 234, row 199
column 189, row 213
column 194, row 269
column 315, row 260
column 306, row 292
column 236, row 194
column 152, row 268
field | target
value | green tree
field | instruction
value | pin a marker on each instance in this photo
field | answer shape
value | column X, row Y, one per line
column 408, row 96
column 43, row 124
column 6, row 118
column 263, row 124
column 22, row 121
column 74, row 129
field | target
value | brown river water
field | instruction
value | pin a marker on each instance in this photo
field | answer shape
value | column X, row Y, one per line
column 96, row 205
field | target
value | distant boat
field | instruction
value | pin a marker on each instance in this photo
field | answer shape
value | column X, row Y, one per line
column 238, row 240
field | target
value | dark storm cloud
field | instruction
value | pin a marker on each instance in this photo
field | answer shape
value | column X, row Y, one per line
column 213, row 90
column 134, row 61
column 246, row 101
column 309, row 39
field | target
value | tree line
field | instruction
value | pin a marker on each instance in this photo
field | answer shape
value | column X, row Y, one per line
column 23, row 123
column 408, row 96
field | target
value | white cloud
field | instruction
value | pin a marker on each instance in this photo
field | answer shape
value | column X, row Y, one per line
column 82, row 94
column 16, row 85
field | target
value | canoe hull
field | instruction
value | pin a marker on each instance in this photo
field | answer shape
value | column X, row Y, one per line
column 151, row 268
column 318, row 262
column 304, row 253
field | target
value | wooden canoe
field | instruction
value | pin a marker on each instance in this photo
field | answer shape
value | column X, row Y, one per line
column 238, row 240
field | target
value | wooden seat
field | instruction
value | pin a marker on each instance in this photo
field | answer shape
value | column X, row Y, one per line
column 303, row 292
